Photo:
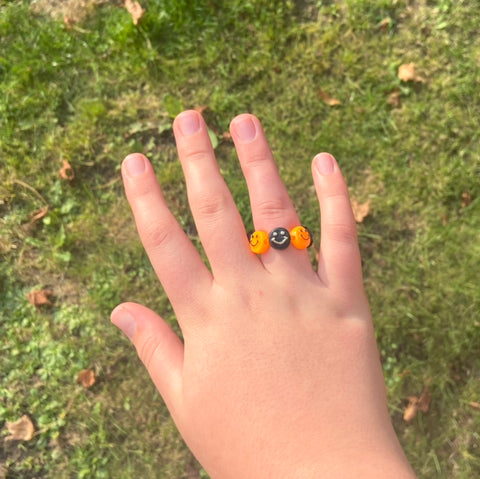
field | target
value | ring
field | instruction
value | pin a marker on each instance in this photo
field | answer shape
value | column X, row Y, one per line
column 280, row 238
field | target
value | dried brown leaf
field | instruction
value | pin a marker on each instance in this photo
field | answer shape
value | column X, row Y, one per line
column 416, row 404
column 411, row 410
column 21, row 430
column 66, row 171
column 407, row 72
column 328, row 99
column 40, row 297
column 384, row 24
column 474, row 404
column 201, row 108
column 86, row 377
column 135, row 10
column 394, row 99
column 425, row 401
column 39, row 214
column 466, row 199
column 67, row 21
column 360, row 210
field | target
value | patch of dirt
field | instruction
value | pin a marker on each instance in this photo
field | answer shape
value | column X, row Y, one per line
column 73, row 10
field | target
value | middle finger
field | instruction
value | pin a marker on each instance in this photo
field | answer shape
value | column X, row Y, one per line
column 218, row 221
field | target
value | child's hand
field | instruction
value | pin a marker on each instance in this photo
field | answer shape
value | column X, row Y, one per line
column 279, row 374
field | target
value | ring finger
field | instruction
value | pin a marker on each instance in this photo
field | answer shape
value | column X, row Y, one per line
column 269, row 200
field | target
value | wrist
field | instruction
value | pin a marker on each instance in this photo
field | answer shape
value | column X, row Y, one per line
column 382, row 460
column 386, row 461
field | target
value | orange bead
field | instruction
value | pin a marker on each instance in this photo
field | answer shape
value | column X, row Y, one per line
column 259, row 243
column 301, row 238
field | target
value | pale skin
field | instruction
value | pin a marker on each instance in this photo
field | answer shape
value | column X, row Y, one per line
column 278, row 375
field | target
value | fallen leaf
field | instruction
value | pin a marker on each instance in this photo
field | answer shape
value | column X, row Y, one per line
column 425, row 401
column 328, row 99
column 135, row 10
column 384, row 24
column 86, row 377
column 201, row 108
column 226, row 136
column 360, row 210
column 394, row 99
column 474, row 404
column 411, row 410
column 416, row 404
column 40, row 297
column 407, row 72
column 66, row 171
column 67, row 21
column 466, row 199
column 21, row 430
column 39, row 214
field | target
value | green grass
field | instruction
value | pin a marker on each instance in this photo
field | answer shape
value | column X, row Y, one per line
column 94, row 92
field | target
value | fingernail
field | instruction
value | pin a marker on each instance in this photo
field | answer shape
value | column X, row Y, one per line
column 245, row 128
column 189, row 123
column 134, row 165
column 125, row 321
column 325, row 164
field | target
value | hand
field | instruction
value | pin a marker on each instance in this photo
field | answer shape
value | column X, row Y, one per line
column 279, row 374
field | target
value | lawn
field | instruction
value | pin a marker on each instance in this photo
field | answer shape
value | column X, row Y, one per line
column 390, row 87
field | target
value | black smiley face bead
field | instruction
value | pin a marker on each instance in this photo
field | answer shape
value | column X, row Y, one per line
column 279, row 238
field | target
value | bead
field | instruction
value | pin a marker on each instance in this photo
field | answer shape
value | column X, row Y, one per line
column 259, row 242
column 279, row 238
column 301, row 237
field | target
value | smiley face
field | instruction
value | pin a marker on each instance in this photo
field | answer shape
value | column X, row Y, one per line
column 279, row 238
column 301, row 237
column 259, row 242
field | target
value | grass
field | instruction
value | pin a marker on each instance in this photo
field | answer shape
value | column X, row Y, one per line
column 93, row 91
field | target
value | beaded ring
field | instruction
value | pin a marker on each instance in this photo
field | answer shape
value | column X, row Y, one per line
column 280, row 238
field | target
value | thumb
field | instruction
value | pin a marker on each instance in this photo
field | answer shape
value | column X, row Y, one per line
column 159, row 348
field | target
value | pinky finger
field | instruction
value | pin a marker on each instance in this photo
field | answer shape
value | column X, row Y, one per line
column 339, row 261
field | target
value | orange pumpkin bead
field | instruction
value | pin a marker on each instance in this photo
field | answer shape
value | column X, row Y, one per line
column 301, row 238
column 259, row 243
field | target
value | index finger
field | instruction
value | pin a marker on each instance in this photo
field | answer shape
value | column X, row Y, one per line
column 177, row 263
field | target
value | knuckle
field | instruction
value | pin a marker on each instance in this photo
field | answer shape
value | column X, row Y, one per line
column 258, row 159
column 196, row 154
column 342, row 233
column 147, row 351
column 333, row 195
column 273, row 209
column 357, row 331
column 210, row 205
column 156, row 235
